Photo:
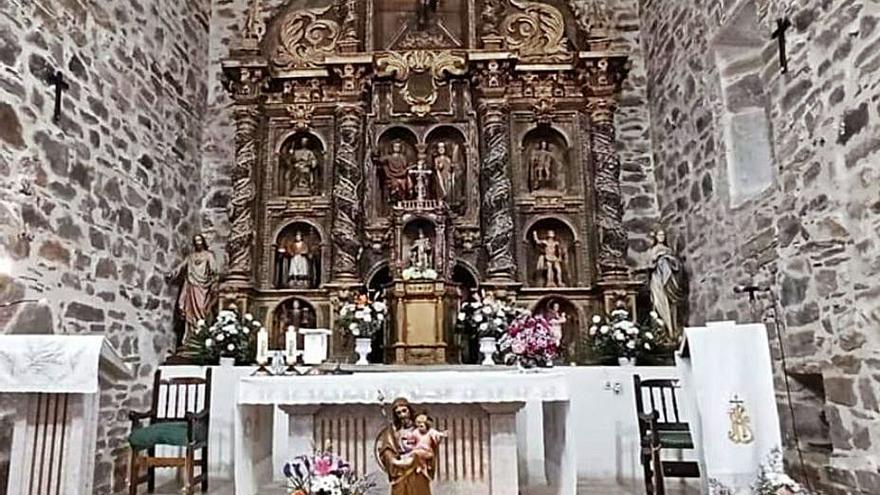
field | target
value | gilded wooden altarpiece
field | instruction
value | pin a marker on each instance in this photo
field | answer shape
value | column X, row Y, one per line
column 489, row 121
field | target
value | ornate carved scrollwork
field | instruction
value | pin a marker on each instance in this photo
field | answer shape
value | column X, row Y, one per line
column 241, row 215
column 535, row 29
column 592, row 15
column 346, row 189
column 420, row 72
column 305, row 38
column 244, row 83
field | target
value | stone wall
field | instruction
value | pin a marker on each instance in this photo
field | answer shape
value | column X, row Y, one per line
column 812, row 235
column 94, row 209
column 634, row 143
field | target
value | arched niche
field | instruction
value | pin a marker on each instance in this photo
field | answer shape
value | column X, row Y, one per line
column 551, row 253
column 547, row 160
column 298, row 261
column 467, row 278
column 560, row 311
column 295, row 311
column 396, row 151
column 448, row 159
column 419, row 230
column 379, row 277
column 301, row 158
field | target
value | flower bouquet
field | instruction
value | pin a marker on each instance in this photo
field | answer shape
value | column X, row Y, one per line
column 771, row 480
column 229, row 336
column 414, row 273
column 324, row 473
column 530, row 341
column 362, row 318
column 620, row 337
column 486, row 317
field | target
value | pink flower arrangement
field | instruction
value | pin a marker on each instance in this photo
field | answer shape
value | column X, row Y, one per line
column 530, row 340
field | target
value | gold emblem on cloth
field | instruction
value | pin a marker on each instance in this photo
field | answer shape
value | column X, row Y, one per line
column 740, row 432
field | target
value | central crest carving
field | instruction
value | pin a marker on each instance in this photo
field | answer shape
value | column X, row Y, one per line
column 420, row 72
column 305, row 38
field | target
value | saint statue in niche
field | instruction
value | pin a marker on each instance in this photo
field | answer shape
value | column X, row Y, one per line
column 197, row 274
column 544, row 169
column 395, row 167
column 299, row 273
column 551, row 259
column 407, row 450
column 667, row 286
column 446, row 164
column 421, row 252
column 301, row 170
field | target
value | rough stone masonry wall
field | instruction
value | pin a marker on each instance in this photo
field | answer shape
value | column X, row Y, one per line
column 634, row 143
column 813, row 236
column 95, row 208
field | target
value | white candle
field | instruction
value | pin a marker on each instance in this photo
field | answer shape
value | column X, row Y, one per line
column 290, row 344
column 262, row 346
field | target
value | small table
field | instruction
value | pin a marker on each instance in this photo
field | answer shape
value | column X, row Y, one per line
column 478, row 407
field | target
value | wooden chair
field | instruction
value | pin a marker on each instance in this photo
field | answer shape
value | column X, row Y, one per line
column 179, row 417
column 661, row 427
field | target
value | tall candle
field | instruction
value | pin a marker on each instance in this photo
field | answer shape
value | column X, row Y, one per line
column 262, row 346
column 290, row 344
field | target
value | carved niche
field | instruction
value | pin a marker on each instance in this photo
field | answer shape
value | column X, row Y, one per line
column 447, row 151
column 298, row 257
column 301, row 166
column 395, row 155
column 546, row 160
column 551, row 254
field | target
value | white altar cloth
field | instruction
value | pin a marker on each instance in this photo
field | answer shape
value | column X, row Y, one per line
column 52, row 364
column 501, row 393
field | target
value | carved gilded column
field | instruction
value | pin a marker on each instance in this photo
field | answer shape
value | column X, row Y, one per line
column 605, row 75
column 239, row 246
column 497, row 197
column 346, row 191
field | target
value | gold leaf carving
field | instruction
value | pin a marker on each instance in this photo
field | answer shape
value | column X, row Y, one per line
column 536, row 29
column 304, row 38
column 419, row 73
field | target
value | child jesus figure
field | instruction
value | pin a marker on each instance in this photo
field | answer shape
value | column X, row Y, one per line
column 421, row 445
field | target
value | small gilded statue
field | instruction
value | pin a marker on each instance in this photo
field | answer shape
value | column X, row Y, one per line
column 551, row 259
column 740, row 432
column 421, row 252
column 302, row 170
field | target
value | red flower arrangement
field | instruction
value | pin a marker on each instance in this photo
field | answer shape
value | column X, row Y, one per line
column 530, row 340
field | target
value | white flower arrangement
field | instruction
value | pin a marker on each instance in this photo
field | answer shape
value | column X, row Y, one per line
column 363, row 317
column 771, row 480
column 619, row 336
column 413, row 273
column 485, row 316
column 229, row 336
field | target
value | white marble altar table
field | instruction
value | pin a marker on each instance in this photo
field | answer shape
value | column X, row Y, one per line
column 479, row 409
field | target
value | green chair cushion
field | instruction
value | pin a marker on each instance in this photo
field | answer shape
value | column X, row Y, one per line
column 676, row 440
column 171, row 433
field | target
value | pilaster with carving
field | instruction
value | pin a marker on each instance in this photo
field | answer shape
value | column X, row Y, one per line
column 346, row 191
column 497, row 198
column 604, row 76
column 239, row 248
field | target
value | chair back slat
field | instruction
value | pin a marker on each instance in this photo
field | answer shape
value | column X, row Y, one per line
column 660, row 392
column 175, row 397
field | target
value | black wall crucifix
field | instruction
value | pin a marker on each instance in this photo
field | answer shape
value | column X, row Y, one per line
column 57, row 79
column 782, row 26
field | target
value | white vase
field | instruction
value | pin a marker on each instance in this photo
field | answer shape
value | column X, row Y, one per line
column 626, row 361
column 363, row 347
column 227, row 361
column 488, row 346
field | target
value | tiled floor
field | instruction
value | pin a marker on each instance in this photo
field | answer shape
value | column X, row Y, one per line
column 585, row 487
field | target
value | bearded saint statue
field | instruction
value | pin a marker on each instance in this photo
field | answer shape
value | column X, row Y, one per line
column 406, row 477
